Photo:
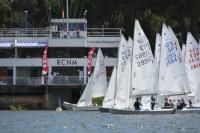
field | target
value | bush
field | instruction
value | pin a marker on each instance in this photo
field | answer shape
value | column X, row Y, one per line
column 97, row 101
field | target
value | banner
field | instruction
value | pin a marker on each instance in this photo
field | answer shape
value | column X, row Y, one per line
column 45, row 62
column 90, row 54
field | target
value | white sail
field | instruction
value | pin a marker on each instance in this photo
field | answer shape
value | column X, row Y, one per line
column 108, row 101
column 131, row 96
column 196, row 99
column 99, row 83
column 182, row 66
column 146, row 102
column 157, row 52
column 172, row 74
column 160, row 99
column 123, row 78
column 192, row 64
column 178, row 48
column 143, row 72
column 157, row 58
column 86, row 97
column 180, row 54
column 123, row 54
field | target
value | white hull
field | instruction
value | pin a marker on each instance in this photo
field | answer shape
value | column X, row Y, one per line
column 142, row 112
column 85, row 108
column 58, row 109
column 189, row 111
column 68, row 106
column 74, row 107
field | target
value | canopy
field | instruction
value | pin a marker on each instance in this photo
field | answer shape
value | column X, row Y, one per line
column 31, row 44
column 6, row 44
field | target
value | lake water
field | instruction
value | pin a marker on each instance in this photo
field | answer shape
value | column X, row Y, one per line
column 95, row 122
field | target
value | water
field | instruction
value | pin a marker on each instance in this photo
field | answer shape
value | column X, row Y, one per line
column 95, row 122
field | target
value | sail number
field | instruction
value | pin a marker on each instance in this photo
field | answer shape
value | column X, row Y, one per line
column 171, row 57
column 143, row 58
column 144, row 55
column 125, row 55
column 194, row 58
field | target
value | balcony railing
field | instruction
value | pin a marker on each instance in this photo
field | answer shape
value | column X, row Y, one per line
column 45, row 80
column 103, row 32
column 24, row 32
column 56, row 80
column 45, row 32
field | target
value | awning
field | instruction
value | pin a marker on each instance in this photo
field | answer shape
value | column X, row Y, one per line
column 31, row 44
column 6, row 44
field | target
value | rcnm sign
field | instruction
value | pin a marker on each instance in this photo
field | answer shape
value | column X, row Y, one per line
column 66, row 62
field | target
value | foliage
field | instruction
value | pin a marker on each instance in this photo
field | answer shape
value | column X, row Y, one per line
column 97, row 101
column 15, row 107
column 182, row 15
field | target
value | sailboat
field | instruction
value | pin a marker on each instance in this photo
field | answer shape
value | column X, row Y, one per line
column 142, row 73
column 119, row 79
column 173, row 69
column 108, row 101
column 96, row 87
column 177, row 62
column 122, row 95
column 59, row 108
column 192, row 62
column 192, row 65
column 173, row 79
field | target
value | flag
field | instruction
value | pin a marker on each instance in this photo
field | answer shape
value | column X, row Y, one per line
column 90, row 54
column 45, row 62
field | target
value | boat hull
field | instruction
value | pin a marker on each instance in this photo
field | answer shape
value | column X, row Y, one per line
column 189, row 111
column 68, row 106
column 142, row 112
column 104, row 110
column 87, row 108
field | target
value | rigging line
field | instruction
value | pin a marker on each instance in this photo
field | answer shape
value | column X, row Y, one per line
column 58, row 2
column 76, row 9
column 61, row 1
column 42, row 20
column 82, row 8
column 94, row 7
column 47, row 13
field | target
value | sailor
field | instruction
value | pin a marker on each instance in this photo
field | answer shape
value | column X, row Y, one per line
column 78, row 33
column 137, row 104
column 51, row 78
column 166, row 105
column 179, row 105
column 171, row 104
column 183, row 103
column 153, row 102
column 190, row 103
column 65, row 33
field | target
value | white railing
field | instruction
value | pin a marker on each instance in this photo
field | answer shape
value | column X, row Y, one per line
column 45, row 32
column 68, row 35
column 24, row 32
column 103, row 32
column 55, row 80
column 45, row 80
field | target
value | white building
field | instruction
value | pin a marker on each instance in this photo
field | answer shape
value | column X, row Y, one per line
column 68, row 41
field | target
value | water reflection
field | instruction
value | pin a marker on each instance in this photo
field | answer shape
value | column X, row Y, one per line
column 94, row 122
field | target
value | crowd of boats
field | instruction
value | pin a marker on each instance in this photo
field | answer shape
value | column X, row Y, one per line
column 171, row 73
